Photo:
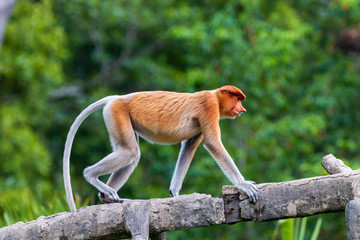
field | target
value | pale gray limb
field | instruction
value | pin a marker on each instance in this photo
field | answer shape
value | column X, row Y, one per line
column 6, row 7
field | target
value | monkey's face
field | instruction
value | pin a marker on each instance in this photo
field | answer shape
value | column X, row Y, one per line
column 230, row 102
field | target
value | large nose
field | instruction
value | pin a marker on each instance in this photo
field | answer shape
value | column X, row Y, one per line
column 242, row 109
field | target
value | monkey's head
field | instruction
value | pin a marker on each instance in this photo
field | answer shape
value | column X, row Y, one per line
column 230, row 98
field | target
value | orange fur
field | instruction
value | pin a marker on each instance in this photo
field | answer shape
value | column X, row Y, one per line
column 171, row 117
column 162, row 117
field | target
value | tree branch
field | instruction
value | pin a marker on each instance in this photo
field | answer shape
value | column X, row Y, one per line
column 138, row 218
column 298, row 198
column 109, row 221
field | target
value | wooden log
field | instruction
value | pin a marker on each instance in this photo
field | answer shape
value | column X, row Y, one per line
column 139, row 218
column 352, row 209
column 136, row 216
column 352, row 213
column 113, row 221
column 298, row 198
column 334, row 165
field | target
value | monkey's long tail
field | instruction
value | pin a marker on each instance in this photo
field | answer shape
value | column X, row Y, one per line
column 68, row 144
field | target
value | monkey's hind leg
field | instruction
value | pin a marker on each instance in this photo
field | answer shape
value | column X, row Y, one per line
column 118, row 179
column 121, row 162
column 119, row 159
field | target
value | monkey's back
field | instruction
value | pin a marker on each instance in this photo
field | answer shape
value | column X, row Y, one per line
column 164, row 117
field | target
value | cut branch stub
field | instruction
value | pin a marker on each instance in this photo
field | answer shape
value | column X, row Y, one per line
column 334, row 165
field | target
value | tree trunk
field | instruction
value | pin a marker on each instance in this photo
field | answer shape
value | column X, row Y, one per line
column 5, row 9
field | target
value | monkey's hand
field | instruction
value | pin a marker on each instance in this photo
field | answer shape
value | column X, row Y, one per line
column 250, row 189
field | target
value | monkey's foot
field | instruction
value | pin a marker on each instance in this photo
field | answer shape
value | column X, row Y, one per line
column 250, row 189
column 106, row 199
column 174, row 193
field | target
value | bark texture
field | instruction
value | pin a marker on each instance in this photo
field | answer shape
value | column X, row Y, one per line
column 334, row 165
column 352, row 210
column 140, row 218
column 296, row 198
column 352, row 214
column 119, row 220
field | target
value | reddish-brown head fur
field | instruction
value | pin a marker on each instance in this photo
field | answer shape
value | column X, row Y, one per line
column 230, row 98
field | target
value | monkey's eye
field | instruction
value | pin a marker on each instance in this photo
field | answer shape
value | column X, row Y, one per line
column 225, row 91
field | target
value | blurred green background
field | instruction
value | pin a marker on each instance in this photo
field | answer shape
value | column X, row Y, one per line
column 59, row 56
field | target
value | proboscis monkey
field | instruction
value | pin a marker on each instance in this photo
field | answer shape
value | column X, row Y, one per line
column 161, row 117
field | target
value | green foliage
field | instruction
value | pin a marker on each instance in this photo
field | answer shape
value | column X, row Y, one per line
column 30, row 67
column 22, row 150
column 287, row 232
column 296, row 229
column 58, row 56
column 31, row 64
column 24, row 205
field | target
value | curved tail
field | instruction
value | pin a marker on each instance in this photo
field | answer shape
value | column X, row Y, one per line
column 69, row 140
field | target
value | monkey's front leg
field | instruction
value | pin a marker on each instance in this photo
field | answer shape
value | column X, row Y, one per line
column 186, row 154
column 218, row 151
